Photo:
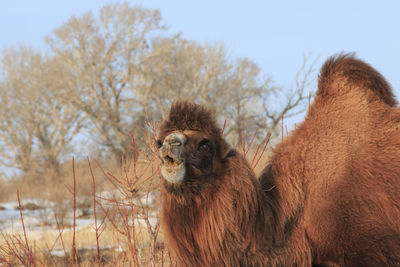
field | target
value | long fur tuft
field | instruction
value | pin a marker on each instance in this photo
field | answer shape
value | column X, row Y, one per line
column 186, row 115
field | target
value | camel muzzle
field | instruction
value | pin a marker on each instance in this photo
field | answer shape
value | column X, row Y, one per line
column 171, row 150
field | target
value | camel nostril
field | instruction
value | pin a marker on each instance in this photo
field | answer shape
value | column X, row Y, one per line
column 176, row 143
column 159, row 143
column 174, row 140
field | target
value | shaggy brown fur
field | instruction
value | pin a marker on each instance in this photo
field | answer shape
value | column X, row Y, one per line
column 337, row 177
column 330, row 194
column 218, row 216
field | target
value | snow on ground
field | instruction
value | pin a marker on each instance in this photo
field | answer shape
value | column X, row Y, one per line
column 10, row 218
column 41, row 219
column 10, row 222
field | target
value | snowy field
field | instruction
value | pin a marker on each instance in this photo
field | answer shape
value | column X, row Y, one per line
column 40, row 224
column 37, row 219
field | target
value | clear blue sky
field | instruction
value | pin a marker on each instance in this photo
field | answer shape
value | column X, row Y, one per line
column 275, row 34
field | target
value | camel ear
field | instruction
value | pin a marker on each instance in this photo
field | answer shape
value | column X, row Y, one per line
column 225, row 148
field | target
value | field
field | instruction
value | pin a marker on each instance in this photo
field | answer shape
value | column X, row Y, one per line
column 99, row 215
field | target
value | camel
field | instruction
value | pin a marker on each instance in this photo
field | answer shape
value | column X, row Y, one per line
column 329, row 196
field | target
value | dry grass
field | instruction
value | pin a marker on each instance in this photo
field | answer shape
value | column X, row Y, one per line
column 122, row 209
column 122, row 206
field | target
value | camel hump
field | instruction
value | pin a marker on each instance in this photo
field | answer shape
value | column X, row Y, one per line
column 345, row 72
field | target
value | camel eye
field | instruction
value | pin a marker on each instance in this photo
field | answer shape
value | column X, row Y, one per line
column 204, row 145
column 159, row 143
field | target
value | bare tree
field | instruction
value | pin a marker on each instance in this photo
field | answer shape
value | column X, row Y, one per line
column 104, row 56
column 185, row 69
column 126, row 71
column 16, row 110
column 119, row 69
column 237, row 89
column 36, row 125
column 292, row 102
column 57, row 121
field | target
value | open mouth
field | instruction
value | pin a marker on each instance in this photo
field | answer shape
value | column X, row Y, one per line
column 172, row 169
column 171, row 161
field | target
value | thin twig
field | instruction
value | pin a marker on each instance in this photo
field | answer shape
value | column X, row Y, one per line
column 74, row 225
column 30, row 257
column 263, row 151
column 94, row 213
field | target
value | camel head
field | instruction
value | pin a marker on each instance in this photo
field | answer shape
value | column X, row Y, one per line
column 190, row 144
